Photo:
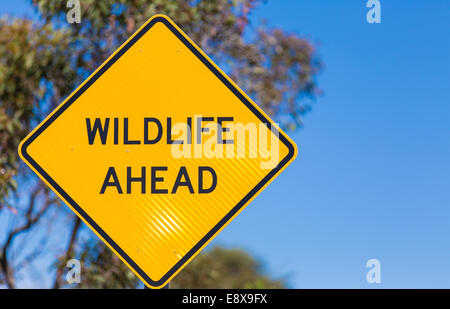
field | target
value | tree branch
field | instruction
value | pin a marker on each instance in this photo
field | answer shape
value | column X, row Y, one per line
column 31, row 220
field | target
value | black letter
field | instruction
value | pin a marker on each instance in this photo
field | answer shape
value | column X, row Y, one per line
column 116, row 131
column 158, row 137
column 220, row 139
column 97, row 127
column 189, row 130
column 125, row 134
column 186, row 183
column 107, row 183
column 200, row 129
column 136, row 179
column 158, row 179
column 169, row 133
column 200, row 179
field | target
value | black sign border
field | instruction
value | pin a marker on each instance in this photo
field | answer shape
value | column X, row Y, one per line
column 226, row 82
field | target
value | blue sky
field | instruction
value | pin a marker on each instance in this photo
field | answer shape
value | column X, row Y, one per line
column 371, row 179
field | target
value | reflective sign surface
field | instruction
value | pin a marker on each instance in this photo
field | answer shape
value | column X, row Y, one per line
column 157, row 151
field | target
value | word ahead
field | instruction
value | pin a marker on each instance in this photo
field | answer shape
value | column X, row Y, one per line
column 183, row 180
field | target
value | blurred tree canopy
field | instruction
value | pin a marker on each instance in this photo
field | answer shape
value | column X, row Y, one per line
column 42, row 61
column 216, row 268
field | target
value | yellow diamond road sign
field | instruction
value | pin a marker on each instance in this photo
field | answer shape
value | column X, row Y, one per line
column 157, row 151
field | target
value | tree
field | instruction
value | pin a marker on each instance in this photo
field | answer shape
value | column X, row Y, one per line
column 41, row 62
column 223, row 268
column 218, row 268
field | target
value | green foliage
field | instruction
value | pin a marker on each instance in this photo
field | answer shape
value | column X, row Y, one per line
column 217, row 268
column 223, row 268
column 102, row 269
column 40, row 63
column 33, row 63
